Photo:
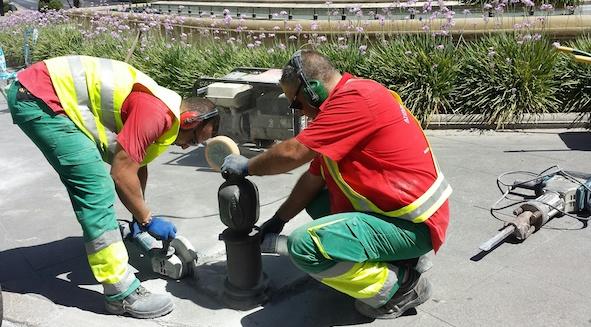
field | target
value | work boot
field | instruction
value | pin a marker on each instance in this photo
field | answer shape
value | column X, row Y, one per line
column 420, row 264
column 141, row 304
column 416, row 290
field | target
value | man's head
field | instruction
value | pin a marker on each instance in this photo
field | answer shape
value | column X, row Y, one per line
column 307, row 79
column 199, row 122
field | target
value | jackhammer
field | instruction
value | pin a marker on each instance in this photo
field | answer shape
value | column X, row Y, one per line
column 557, row 193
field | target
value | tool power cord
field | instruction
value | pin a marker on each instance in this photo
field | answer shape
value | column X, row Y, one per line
column 506, row 189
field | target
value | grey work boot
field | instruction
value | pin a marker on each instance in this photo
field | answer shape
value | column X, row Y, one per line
column 420, row 264
column 141, row 304
column 416, row 290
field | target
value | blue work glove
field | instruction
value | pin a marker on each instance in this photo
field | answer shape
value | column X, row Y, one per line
column 234, row 165
column 161, row 229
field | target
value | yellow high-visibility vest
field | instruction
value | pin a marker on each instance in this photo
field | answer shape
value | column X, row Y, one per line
column 92, row 90
column 418, row 211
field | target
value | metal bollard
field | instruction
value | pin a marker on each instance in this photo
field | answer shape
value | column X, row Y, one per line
column 245, row 286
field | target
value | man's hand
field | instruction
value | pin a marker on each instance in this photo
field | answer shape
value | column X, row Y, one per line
column 234, row 166
column 160, row 228
column 272, row 226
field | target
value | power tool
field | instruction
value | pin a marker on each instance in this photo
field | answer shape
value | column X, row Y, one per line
column 175, row 259
column 557, row 193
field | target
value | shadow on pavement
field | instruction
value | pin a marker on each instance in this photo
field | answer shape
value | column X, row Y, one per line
column 580, row 141
column 196, row 157
column 59, row 271
column 310, row 304
column 199, row 292
column 301, row 301
column 55, row 270
column 193, row 158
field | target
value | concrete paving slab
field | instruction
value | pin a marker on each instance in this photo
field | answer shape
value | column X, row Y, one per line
column 541, row 282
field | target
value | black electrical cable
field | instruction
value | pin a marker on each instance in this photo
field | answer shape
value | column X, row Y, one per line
column 539, row 176
column 217, row 213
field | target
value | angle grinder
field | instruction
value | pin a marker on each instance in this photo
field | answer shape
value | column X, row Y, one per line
column 175, row 259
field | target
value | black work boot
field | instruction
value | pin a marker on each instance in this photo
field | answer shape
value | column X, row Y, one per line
column 416, row 290
column 141, row 304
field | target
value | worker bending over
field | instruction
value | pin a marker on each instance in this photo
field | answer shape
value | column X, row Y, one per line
column 81, row 111
column 373, row 187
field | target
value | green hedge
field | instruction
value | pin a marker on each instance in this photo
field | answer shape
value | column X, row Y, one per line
column 501, row 76
column 50, row 5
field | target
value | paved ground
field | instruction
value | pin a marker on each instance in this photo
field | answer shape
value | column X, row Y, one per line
column 542, row 282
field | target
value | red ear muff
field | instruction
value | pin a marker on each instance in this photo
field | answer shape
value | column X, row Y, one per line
column 190, row 120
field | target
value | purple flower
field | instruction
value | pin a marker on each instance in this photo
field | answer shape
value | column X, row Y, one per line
column 547, row 7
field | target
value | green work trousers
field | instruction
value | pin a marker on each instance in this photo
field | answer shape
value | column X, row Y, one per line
column 370, row 240
column 78, row 163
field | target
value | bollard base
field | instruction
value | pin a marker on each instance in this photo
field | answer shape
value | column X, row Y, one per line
column 246, row 299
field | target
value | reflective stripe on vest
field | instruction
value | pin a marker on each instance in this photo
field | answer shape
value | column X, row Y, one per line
column 418, row 211
column 92, row 91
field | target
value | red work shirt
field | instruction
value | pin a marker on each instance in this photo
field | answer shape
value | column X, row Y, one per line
column 380, row 150
column 145, row 118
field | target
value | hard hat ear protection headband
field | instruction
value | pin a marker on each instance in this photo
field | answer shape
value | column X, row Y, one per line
column 314, row 91
column 190, row 119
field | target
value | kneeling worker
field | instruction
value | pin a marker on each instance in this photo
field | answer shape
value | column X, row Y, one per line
column 80, row 111
column 373, row 187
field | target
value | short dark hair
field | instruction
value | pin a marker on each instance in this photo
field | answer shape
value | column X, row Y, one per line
column 198, row 104
column 316, row 67
column 202, row 106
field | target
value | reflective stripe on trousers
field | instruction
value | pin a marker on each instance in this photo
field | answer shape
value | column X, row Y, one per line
column 108, row 258
column 350, row 252
column 371, row 282
column 78, row 163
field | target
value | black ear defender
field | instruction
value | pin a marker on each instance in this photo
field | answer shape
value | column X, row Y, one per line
column 314, row 91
